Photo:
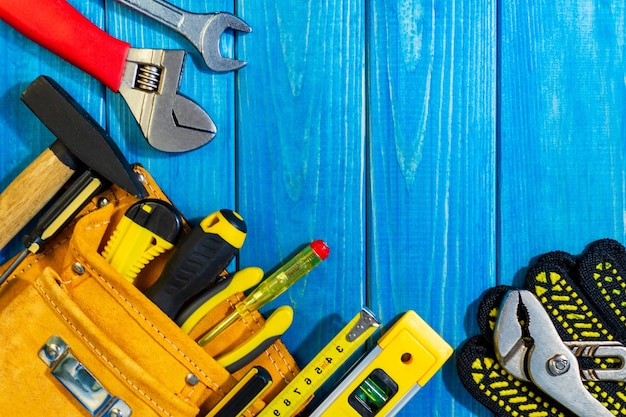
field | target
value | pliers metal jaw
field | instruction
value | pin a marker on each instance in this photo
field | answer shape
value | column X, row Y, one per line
column 529, row 347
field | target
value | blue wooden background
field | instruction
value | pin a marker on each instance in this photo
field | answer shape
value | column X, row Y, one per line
column 437, row 146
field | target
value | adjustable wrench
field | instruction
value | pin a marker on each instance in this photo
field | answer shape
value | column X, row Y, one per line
column 202, row 30
column 147, row 79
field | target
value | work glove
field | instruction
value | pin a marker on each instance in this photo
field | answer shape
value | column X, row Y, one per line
column 585, row 299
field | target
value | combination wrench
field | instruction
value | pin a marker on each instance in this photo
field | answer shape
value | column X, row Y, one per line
column 202, row 30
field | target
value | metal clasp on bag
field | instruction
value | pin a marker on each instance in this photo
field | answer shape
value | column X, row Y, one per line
column 81, row 383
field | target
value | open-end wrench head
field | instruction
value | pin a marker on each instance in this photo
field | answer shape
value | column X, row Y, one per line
column 210, row 41
column 169, row 121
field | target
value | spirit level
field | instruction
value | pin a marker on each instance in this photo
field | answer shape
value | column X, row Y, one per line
column 404, row 359
column 289, row 401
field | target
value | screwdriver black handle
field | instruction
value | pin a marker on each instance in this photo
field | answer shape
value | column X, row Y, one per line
column 64, row 209
column 57, row 216
column 195, row 264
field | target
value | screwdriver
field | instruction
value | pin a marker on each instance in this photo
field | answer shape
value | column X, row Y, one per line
column 297, row 267
column 195, row 264
column 57, row 216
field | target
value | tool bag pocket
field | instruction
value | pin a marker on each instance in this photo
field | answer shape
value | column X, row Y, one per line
column 78, row 339
column 101, row 375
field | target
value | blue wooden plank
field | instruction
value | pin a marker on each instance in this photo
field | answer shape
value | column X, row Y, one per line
column 300, row 150
column 432, row 173
column 562, row 129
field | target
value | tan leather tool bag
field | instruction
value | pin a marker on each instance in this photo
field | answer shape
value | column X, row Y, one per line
column 77, row 339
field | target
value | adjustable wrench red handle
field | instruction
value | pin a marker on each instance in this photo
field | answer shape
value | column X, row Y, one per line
column 58, row 27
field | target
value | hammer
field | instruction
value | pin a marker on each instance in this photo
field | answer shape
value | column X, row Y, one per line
column 81, row 145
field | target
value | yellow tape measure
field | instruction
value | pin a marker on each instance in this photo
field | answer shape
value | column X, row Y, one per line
column 326, row 362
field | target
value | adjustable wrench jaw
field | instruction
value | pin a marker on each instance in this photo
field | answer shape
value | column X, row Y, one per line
column 529, row 348
column 169, row 121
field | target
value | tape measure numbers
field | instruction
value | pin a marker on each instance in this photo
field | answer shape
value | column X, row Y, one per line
column 325, row 363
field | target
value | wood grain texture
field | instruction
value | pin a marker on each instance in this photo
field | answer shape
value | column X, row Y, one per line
column 201, row 181
column 300, row 155
column 562, row 129
column 23, row 136
column 25, row 196
column 437, row 146
column 431, row 172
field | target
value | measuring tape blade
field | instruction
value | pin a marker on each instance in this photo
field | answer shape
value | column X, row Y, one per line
column 326, row 362
column 404, row 359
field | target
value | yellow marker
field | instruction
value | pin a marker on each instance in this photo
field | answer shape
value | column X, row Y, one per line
column 274, row 327
column 405, row 358
column 326, row 362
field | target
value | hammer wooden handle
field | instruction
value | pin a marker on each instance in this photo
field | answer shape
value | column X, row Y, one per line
column 29, row 192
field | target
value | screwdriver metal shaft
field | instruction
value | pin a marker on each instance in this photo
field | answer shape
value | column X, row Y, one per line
column 23, row 254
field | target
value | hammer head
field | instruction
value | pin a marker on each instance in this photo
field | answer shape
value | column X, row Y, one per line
column 85, row 139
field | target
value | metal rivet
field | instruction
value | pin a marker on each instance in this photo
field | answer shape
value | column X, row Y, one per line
column 191, row 379
column 141, row 178
column 78, row 268
column 558, row 365
column 115, row 412
column 53, row 351
column 103, row 202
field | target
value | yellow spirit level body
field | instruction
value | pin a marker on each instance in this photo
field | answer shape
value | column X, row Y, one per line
column 403, row 360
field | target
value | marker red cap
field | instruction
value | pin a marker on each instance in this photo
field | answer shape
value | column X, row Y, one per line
column 320, row 248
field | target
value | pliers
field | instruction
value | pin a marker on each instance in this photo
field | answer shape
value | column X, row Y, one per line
column 529, row 347
column 147, row 79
